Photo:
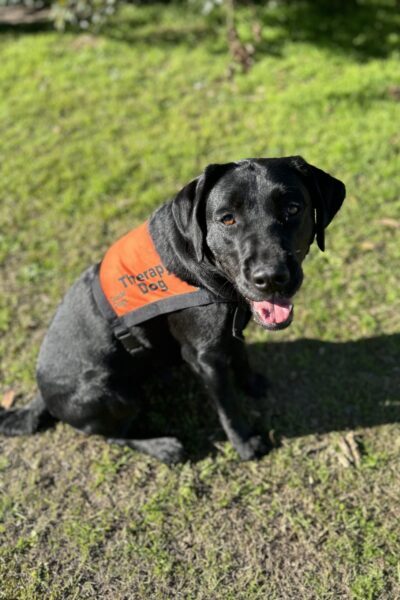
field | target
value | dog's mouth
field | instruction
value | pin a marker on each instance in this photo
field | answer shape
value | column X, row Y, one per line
column 273, row 314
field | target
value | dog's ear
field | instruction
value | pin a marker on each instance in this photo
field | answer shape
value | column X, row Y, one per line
column 327, row 195
column 188, row 206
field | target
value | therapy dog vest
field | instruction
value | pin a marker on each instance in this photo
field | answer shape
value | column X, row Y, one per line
column 133, row 285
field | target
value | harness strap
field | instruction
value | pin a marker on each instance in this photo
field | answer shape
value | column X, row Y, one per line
column 240, row 320
column 168, row 305
column 101, row 300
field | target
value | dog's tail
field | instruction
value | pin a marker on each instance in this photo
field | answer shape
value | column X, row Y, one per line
column 27, row 420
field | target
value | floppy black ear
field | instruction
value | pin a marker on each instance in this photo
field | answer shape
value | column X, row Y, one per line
column 327, row 195
column 188, row 206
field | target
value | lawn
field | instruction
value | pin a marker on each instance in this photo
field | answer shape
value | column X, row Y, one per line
column 96, row 131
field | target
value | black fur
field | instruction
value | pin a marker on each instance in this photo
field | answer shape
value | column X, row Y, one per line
column 86, row 377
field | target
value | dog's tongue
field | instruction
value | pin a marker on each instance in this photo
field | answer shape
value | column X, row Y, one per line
column 273, row 312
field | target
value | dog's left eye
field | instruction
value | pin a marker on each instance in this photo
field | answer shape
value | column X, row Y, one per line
column 292, row 209
column 228, row 219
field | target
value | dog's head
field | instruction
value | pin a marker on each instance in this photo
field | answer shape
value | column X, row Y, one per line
column 254, row 221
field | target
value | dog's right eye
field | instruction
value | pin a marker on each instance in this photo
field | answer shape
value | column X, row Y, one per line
column 228, row 219
column 293, row 209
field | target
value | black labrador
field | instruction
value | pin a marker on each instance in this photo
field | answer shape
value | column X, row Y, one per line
column 240, row 230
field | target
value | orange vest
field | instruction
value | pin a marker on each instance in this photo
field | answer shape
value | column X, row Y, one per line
column 133, row 285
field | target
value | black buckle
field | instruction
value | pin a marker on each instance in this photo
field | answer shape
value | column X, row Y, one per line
column 127, row 339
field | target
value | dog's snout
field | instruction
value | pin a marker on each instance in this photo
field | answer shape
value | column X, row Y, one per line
column 265, row 278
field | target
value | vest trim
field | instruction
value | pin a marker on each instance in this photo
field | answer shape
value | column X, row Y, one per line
column 168, row 305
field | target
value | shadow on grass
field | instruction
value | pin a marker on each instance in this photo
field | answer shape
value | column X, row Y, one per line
column 316, row 387
column 25, row 28
column 363, row 30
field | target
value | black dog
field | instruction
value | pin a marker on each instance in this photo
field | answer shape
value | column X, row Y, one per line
column 238, row 233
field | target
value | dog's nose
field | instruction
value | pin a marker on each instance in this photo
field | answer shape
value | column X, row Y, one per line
column 270, row 278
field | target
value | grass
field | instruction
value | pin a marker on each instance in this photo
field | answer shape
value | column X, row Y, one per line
column 96, row 132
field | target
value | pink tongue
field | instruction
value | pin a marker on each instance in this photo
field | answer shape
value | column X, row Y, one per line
column 277, row 311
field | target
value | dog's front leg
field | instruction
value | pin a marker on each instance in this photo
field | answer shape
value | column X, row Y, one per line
column 214, row 369
column 253, row 384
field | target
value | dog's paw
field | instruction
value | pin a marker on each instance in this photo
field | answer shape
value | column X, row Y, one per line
column 169, row 450
column 254, row 447
column 256, row 385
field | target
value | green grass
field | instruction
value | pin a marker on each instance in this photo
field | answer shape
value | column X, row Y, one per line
column 95, row 133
